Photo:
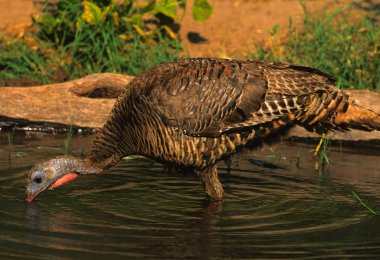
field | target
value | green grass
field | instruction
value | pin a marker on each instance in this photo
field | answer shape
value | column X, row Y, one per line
column 321, row 153
column 68, row 140
column 333, row 42
column 358, row 199
column 64, row 45
column 18, row 59
column 10, row 143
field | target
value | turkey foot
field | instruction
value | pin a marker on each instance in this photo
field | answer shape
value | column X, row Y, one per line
column 211, row 183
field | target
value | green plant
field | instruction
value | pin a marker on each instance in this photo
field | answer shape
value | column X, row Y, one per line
column 334, row 43
column 84, row 37
column 10, row 143
column 357, row 198
column 320, row 153
column 68, row 140
column 201, row 10
column 18, row 59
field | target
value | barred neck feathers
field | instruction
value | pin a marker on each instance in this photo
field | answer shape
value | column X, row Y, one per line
column 115, row 140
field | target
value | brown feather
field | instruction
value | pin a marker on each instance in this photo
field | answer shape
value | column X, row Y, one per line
column 359, row 118
column 193, row 112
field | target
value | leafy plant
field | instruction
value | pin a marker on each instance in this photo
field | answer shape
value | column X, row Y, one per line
column 83, row 37
column 201, row 10
column 18, row 59
column 333, row 43
column 274, row 30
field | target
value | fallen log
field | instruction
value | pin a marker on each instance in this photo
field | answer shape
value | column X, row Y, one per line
column 85, row 103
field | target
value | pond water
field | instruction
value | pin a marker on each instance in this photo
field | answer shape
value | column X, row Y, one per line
column 137, row 209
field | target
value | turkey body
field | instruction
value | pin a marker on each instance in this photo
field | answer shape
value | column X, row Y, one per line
column 193, row 112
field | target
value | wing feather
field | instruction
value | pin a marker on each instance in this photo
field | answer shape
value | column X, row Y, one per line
column 208, row 97
column 204, row 97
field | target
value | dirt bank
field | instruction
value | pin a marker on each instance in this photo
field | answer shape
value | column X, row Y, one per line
column 231, row 31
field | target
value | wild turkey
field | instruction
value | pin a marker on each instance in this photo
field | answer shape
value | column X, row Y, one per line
column 194, row 112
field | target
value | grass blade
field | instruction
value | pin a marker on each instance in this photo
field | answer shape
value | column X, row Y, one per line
column 357, row 198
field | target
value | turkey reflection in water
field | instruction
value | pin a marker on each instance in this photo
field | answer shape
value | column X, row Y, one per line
column 138, row 209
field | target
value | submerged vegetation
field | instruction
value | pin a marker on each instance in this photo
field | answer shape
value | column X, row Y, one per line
column 83, row 37
column 337, row 42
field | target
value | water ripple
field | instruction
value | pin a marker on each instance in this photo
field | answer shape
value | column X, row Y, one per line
column 138, row 210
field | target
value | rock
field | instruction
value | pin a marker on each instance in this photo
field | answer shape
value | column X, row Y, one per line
column 86, row 102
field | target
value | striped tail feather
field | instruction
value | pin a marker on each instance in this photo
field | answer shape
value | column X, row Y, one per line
column 335, row 112
column 358, row 117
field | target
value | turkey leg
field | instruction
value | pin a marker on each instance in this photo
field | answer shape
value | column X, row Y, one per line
column 211, row 183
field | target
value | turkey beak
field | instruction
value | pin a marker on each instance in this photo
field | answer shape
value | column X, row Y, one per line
column 30, row 196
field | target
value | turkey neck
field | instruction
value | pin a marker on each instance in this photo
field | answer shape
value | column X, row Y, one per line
column 71, row 164
column 119, row 136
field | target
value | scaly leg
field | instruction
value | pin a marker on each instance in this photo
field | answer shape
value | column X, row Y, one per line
column 211, row 183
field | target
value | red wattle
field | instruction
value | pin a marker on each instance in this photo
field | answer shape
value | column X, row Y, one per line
column 65, row 178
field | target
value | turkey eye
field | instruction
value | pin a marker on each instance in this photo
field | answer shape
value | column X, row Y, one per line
column 37, row 179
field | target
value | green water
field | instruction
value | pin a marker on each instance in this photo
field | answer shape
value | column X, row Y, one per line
column 137, row 209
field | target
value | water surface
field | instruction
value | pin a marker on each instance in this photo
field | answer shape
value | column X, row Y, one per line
column 138, row 209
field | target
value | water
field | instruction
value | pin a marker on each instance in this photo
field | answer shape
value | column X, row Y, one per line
column 138, row 210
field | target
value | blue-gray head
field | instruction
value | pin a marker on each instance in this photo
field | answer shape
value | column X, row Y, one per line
column 55, row 172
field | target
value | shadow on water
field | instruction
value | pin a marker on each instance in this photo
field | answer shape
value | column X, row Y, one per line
column 273, row 208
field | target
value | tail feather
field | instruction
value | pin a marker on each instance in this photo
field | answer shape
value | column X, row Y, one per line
column 358, row 117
